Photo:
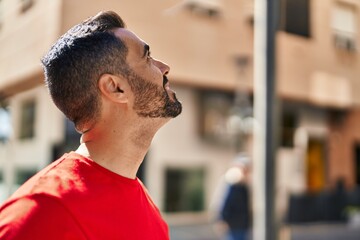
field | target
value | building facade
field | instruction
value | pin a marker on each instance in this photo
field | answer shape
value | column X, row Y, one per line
column 209, row 47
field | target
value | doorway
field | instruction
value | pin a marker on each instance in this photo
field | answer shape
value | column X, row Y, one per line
column 357, row 164
column 315, row 165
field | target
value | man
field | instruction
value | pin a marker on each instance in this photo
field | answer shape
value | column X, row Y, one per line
column 235, row 212
column 103, row 78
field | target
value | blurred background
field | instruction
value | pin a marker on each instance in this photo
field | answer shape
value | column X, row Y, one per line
column 209, row 47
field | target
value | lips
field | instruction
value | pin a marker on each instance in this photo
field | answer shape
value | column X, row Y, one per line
column 169, row 91
column 166, row 84
column 165, row 81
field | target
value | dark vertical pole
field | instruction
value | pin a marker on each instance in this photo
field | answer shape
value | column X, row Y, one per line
column 271, row 119
column 266, row 108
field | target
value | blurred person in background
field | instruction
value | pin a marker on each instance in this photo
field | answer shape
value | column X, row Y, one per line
column 233, row 214
column 103, row 78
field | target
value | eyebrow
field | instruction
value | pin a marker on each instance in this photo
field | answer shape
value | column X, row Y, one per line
column 146, row 50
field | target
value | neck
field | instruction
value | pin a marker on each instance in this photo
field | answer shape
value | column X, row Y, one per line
column 120, row 151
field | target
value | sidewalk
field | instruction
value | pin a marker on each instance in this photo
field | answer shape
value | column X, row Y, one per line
column 319, row 231
column 325, row 232
column 193, row 232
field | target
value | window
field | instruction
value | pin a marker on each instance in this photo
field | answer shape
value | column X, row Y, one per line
column 5, row 124
column 1, row 14
column 344, row 26
column 295, row 17
column 184, row 190
column 22, row 175
column 27, row 120
column 71, row 141
column 4, row 191
column 315, row 166
column 289, row 124
column 357, row 164
column 26, row 5
column 215, row 111
column 226, row 118
column 210, row 8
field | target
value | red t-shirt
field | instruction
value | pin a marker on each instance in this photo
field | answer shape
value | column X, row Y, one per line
column 75, row 198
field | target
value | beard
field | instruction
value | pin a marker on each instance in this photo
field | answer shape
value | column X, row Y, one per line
column 152, row 100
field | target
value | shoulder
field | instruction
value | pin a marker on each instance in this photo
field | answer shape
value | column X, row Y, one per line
column 40, row 216
column 57, row 179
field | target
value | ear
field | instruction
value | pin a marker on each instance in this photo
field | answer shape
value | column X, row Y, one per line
column 114, row 88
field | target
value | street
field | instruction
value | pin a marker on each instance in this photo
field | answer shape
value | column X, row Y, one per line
column 298, row 232
column 325, row 232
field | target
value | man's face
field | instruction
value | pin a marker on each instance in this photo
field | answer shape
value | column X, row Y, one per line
column 148, row 81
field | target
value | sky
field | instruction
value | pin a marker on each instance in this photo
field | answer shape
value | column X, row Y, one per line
column 5, row 128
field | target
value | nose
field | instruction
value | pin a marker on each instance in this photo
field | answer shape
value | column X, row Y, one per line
column 164, row 68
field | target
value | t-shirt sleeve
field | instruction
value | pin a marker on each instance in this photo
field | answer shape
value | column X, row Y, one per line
column 38, row 217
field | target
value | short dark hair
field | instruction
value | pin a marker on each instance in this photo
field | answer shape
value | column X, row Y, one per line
column 76, row 61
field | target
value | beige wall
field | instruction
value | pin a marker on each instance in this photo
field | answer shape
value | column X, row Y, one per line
column 200, row 50
column 35, row 153
column 179, row 145
column 24, row 38
column 312, row 69
column 345, row 134
column 192, row 47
